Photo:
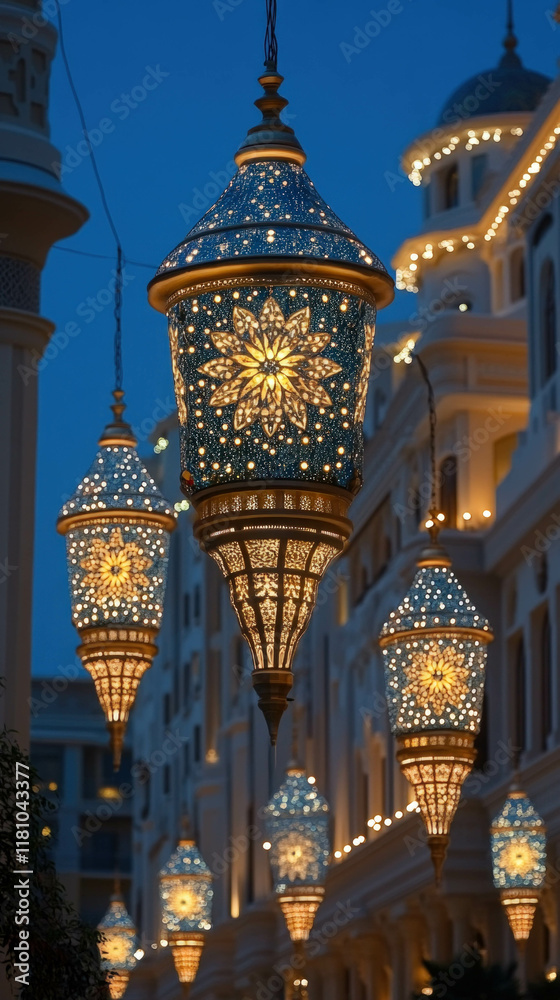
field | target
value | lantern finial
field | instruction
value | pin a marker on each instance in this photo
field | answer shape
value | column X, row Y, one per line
column 118, row 431
column 271, row 139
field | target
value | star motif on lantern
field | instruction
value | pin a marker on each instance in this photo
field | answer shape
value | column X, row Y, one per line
column 115, row 568
column 270, row 367
column 437, row 676
column 185, row 903
column 115, row 950
column 295, row 856
column 364, row 377
column 518, row 858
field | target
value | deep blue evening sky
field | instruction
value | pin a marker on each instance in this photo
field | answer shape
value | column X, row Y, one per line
column 352, row 117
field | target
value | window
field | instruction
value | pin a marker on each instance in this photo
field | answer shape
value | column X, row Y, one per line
column 197, row 604
column 186, row 682
column 517, row 275
column 478, row 172
column 448, row 490
column 481, row 741
column 548, row 321
column 186, row 610
column 196, row 746
column 504, row 448
column 427, row 206
column 451, row 187
column 519, row 728
column 166, row 709
column 546, row 681
column 379, row 407
column 166, row 779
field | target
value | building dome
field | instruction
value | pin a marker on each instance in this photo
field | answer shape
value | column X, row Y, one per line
column 514, row 87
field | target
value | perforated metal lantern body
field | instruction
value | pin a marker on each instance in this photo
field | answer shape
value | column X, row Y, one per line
column 117, row 527
column 297, row 826
column 271, row 302
column 185, row 885
column 118, row 947
column 434, row 650
column 518, row 841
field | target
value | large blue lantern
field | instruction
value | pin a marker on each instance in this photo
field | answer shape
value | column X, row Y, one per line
column 118, row 946
column 518, row 840
column 297, row 826
column 271, row 303
column 185, row 885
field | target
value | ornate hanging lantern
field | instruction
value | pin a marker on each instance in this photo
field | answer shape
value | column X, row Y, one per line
column 271, row 302
column 518, row 839
column 117, row 528
column 297, row 826
column 118, row 946
column 186, row 900
column 434, row 650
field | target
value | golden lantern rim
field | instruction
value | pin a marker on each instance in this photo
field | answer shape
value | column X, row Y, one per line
column 481, row 635
column 376, row 287
column 256, row 153
column 115, row 515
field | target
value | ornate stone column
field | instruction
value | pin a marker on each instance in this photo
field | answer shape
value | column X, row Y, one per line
column 35, row 212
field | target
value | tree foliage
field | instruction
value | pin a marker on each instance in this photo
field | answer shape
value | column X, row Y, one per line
column 63, row 951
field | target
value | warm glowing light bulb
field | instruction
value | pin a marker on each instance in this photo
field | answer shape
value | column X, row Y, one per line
column 267, row 845
column 487, row 513
column 338, row 854
column 311, row 779
column 441, row 517
column 466, row 516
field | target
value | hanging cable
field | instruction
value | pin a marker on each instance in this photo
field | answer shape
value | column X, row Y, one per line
column 104, row 202
column 105, row 256
column 270, row 40
column 432, row 410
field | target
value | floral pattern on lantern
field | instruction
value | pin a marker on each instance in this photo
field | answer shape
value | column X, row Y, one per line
column 117, row 528
column 434, row 651
column 118, row 946
column 297, row 826
column 518, row 842
column 185, row 886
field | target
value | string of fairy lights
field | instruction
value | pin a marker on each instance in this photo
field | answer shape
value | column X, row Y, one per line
column 408, row 273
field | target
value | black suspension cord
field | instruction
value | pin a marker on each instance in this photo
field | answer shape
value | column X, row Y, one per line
column 104, row 202
column 433, row 422
column 270, row 40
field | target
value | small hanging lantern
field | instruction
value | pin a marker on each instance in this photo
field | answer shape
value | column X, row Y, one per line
column 185, row 888
column 271, row 303
column 297, row 826
column 434, row 650
column 117, row 527
column 118, row 946
column 518, row 840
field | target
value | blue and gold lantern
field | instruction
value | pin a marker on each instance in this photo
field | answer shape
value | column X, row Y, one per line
column 271, row 303
column 117, row 946
column 117, row 527
column 434, row 650
column 185, row 886
column 518, row 841
column 297, row 826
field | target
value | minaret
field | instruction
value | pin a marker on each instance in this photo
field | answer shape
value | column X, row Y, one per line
column 35, row 213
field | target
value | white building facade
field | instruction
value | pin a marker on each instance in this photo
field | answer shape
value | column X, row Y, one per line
column 484, row 277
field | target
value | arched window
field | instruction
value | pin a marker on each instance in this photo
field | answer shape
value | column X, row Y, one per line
column 451, row 187
column 379, row 407
column 448, row 490
column 548, row 321
column 520, row 734
column 546, row 681
column 517, row 275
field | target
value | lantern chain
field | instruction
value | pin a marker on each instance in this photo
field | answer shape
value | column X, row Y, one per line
column 270, row 40
column 106, row 209
column 433, row 423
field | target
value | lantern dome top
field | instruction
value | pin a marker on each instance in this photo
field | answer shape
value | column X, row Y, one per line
column 117, row 916
column 116, row 481
column 296, row 797
column 186, row 859
column 270, row 215
column 436, row 600
column 518, row 813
